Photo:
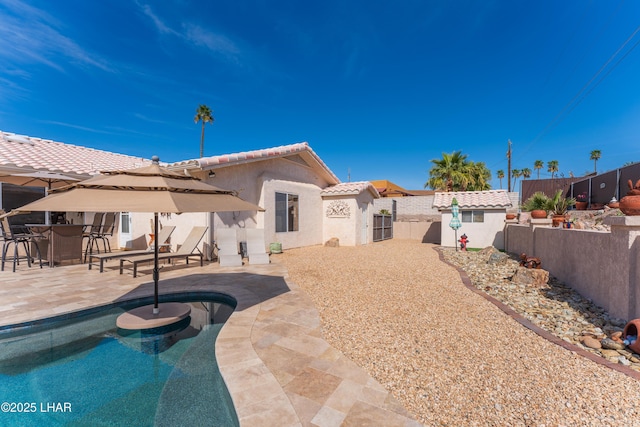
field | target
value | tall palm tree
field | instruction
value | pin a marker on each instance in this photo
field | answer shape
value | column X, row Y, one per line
column 449, row 173
column 479, row 177
column 515, row 173
column 204, row 114
column 595, row 156
column 500, row 175
column 537, row 165
column 552, row 166
column 526, row 173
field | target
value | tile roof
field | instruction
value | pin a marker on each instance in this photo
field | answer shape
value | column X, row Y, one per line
column 24, row 152
column 350, row 189
column 473, row 199
column 223, row 160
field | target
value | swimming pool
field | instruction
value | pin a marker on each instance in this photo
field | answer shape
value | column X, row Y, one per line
column 83, row 370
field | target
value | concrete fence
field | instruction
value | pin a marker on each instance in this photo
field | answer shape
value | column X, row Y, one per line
column 600, row 265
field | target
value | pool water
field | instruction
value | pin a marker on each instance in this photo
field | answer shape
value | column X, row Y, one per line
column 86, row 371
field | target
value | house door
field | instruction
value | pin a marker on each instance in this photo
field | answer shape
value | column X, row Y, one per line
column 125, row 235
column 364, row 237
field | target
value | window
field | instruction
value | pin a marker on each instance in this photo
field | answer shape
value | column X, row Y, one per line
column 286, row 212
column 472, row 216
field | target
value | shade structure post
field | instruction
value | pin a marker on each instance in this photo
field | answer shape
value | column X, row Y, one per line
column 156, row 270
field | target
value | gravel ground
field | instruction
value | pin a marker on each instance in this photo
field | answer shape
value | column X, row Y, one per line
column 451, row 357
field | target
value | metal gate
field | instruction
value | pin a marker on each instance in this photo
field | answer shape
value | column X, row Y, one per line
column 382, row 227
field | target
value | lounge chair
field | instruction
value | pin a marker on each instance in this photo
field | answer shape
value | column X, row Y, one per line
column 256, row 247
column 227, row 244
column 189, row 249
column 163, row 236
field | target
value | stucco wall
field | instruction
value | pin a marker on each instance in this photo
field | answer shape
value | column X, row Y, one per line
column 599, row 265
column 480, row 234
column 349, row 218
column 426, row 232
column 255, row 182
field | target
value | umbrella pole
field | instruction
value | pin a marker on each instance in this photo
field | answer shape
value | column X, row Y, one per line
column 156, row 272
column 456, row 242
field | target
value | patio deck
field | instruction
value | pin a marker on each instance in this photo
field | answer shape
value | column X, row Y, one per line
column 277, row 367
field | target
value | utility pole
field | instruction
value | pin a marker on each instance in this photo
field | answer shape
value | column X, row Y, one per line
column 509, row 168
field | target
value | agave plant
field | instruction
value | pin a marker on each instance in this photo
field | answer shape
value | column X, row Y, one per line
column 560, row 204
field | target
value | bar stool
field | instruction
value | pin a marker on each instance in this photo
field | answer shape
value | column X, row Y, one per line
column 23, row 237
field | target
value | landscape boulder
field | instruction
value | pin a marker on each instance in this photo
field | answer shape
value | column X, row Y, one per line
column 531, row 276
column 333, row 242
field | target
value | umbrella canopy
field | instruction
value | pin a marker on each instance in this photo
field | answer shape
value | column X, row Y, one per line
column 455, row 220
column 39, row 178
column 455, row 223
column 147, row 189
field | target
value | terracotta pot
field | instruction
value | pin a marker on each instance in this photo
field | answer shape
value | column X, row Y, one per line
column 630, row 205
column 511, row 216
column 614, row 205
column 538, row 214
column 581, row 206
column 632, row 328
column 557, row 220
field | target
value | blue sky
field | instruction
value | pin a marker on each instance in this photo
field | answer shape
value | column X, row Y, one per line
column 378, row 89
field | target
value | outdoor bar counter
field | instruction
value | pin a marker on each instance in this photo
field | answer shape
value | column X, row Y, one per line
column 59, row 242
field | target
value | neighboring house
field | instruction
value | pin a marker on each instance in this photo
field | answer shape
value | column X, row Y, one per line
column 482, row 214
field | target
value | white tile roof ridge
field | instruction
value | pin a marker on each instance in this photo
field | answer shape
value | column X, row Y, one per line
column 254, row 155
column 473, row 199
column 350, row 188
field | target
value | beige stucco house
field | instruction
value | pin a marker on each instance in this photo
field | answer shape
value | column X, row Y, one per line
column 482, row 214
column 304, row 202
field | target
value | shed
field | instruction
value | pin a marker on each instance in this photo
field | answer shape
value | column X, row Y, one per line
column 482, row 213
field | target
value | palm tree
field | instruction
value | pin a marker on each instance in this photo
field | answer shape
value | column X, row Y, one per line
column 595, row 156
column 515, row 173
column 479, row 177
column 449, row 173
column 204, row 114
column 552, row 166
column 537, row 165
column 500, row 175
column 526, row 173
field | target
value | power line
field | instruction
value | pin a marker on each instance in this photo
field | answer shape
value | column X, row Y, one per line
column 572, row 103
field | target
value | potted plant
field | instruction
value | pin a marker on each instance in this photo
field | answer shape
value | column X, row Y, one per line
column 558, row 205
column 537, row 204
column 581, row 201
column 630, row 204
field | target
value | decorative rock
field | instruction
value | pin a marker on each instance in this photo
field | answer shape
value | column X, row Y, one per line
column 531, row 276
column 624, row 361
column 333, row 242
column 610, row 353
column 610, row 344
column 498, row 258
column 591, row 342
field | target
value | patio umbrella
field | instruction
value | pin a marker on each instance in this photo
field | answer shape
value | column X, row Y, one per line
column 455, row 223
column 39, row 178
column 147, row 189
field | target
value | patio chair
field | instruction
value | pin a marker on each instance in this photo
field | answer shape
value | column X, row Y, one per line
column 227, row 244
column 106, row 230
column 16, row 237
column 90, row 232
column 189, row 249
column 256, row 247
column 163, row 237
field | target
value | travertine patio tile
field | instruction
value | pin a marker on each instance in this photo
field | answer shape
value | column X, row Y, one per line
column 277, row 367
